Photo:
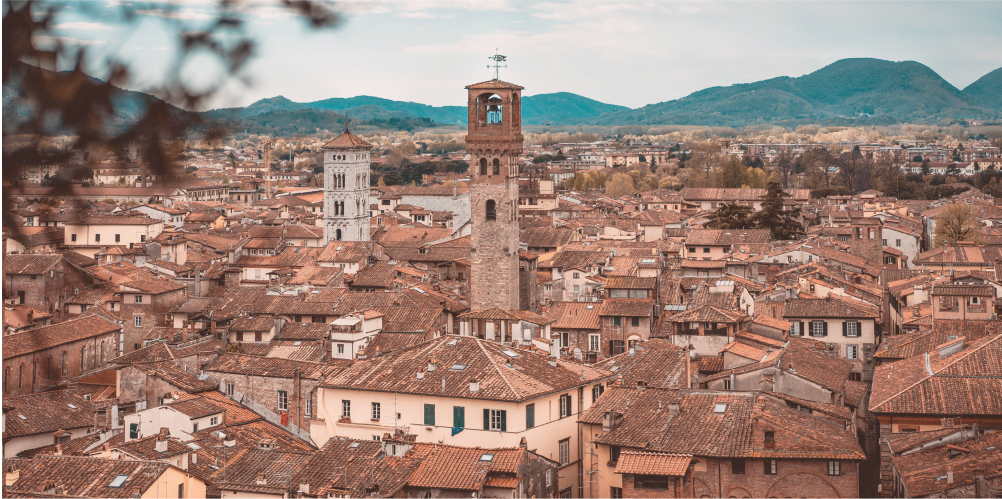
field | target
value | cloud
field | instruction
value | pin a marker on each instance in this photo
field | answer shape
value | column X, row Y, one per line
column 186, row 14
column 81, row 25
column 422, row 15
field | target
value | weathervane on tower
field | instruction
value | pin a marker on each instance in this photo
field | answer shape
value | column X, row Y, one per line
column 498, row 59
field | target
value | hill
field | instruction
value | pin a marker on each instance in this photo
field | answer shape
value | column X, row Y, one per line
column 850, row 91
column 987, row 91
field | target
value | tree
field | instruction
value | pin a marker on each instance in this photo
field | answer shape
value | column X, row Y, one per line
column 784, row 164
column 732, row 174
column 955, row 223
column 620, row 184
column 925, row 166
column 782, row 223
column 731, row 216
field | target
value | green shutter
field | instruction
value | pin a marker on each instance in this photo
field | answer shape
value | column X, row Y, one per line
column 570, row 406
column 530, row 416
column 487, row 419
column 458, row 417
column 429, row 414
column 504, row 421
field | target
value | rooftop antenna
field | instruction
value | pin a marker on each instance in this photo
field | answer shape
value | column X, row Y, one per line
column 498, row 59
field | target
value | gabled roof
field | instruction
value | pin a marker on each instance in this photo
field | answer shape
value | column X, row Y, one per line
column 508, row 314
column 41, row 338
column 503, row 373
column 657, row 363
column 346, row 140
column 575, row 315
column 494, row 84
column 814, row 309
column 649, row 463
column 46, row 412
column 87, row 476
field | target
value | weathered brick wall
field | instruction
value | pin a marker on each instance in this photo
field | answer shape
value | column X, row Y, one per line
column 152, row 313
column 43, row 292
column 264, row 390
column 43, row 369
column 494, row 278
column 795, row 478
column 675, row 489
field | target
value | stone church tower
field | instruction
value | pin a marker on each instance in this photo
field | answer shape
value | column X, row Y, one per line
column 346, row 188
column 494, row 143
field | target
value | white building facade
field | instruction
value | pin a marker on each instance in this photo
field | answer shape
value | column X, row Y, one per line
column 346, row 188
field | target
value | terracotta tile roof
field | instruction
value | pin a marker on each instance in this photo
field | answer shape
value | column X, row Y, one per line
column 903, row 346
column 627, row 307
column 815, row 309
column 87, row 477
column 292, row 331
column 703, row 264
column 347, row 140
column 720, row 237
column 253, row 324
column 968, row 382
column 806, row 361
column 338, row 463
column 710, row 364
column 719, row 424
column 657, row 363
column 709, row 313
column 498, row 313
column 409, row 319
column 380, row 275
column 744, row 350
column 45, row 337
column 240, row 472
column 574, row 315
column 384, row 342
column 494, row 84
column 963, row 290
column 145, row 448
column 156, row 352
column 71, row 447
column 233, row 363
column 198, row 407
column 924, row 472
column 46, row 412
column 467, row 469
column 629, row 282
column 649, row 463
column 773, row 322
column 546, row 237
column 459, row 360
column 29, row 264
column 901, row 442
column 153, row 285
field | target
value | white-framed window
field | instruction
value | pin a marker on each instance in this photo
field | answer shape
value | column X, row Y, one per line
column 834, row 468
column 340, row 348
column 549, row 478
column 577, row 289
column 309, row 406
column 345, row 408
column 214, row 420
column 139, row 321
column 795, row 329
column 577, row 275
column 852, row 329
column 565, row 406
column 883, row 242
column 817, row 328
column 376, row 410
column 495, row 419
column 565, row 452
column 897, row 242
column 228, row 389
column 139, row 298
column 283, row 400
column 852, row 352
column 594, row 342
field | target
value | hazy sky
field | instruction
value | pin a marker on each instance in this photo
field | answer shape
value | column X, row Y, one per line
column 620, row 52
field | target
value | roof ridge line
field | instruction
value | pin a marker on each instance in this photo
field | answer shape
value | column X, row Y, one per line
column 497, row 368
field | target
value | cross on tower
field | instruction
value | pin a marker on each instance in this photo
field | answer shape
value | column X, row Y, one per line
column 498, row 59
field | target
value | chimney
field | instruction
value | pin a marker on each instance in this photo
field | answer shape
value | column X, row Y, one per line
column 59, row 449
column 474, row 386
column 420, row 375
column 193, row 457
column 304, row 488
column 432, row 364
column 949, row 474
column 260, row 480
column 136, row 493
column 641, row 386
column 673, row 409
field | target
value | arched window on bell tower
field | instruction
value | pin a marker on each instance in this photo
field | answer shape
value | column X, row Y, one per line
column 494, row 109
column 337, row 234
column 497, row 166
column 490, row 211
column 483, row 166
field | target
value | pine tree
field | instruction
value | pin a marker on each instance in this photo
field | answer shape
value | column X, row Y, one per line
column 731, row 216
column 782, row 224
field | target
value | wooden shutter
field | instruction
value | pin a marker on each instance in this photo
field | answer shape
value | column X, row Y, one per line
column 845, row 328
column 800, row 329
column 824, row 328
column 530, row 416
column 570, row 406
column 429, row 414
column 458, row 417
column 504, row 421
column 487, row 419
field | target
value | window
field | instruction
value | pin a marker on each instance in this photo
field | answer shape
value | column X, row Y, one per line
column 897, row 242
column 495, row 420
column 614, row 453
column 139, row 321
column 214, row 420
column 706, row 250
column 852, row 352
column 883, row 242
column 635, row 321
column 283, row 400
column 819, row 328
column 530, row 416
column 340, row 348
column 594, row 340
column 737, row 466
column 375, row 410
column 429, row 414
column 851, row 329
column 655, row 482
column 834, row 468
column 565, row 406
column 309, row 406
column 770, row 466
column 97, row 238
column 615, row 492
column 118, row 238
column 770, row 439
column 258, row 336
column 577, row 275
column 458, row 417
column 118, row 481
column 133, row 430
column 346, row 409
column 596, row 392
column 565, row 452
column 490, row 210
column 617, row 321
column 194, row 427
column 73, row 238
column 139, row 298
column 577, row 288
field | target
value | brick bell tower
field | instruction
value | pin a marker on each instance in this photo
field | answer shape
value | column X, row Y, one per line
column 494, row 143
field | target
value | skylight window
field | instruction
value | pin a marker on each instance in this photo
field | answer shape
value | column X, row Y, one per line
column 487, row 457
column 453, row 342
column 720, row 408
column 353, row 445
column 118, row 481
column 194, row 446
column 71, row 406
column 509, row 353
column 23, row 417
column 458, row 367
